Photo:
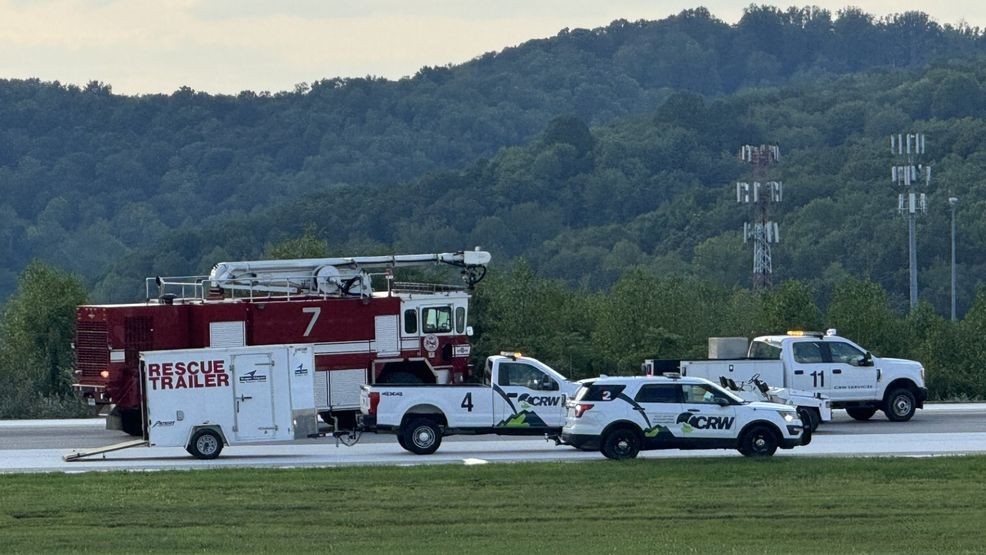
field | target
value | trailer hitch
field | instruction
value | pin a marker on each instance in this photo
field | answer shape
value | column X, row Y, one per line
column 347, row 437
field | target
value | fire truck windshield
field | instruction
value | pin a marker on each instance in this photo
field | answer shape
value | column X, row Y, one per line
column 436, row 319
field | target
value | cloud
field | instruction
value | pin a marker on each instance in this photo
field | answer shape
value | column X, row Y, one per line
column 143, row 46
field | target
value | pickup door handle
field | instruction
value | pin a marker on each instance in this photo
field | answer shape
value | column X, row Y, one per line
column 799, row 372
column 511, row 395
column 836, row 371
column 694, row 410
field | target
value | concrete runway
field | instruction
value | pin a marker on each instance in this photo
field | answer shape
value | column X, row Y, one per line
column 38, row 445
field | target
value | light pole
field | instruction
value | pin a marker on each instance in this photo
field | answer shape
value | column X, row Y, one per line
column 952, row 201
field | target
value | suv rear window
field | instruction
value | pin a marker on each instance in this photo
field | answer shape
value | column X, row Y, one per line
column 606, row 392
column 659, row 393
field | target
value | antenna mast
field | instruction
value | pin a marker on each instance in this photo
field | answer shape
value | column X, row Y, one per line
column 760, row 194
column 907, row 175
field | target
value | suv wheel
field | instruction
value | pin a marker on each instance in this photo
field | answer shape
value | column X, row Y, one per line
column 758, row 441
column 621, row 443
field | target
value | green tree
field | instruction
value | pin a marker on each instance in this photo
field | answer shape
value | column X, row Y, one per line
column 307, row 245
column 859, row 310
column 790, row 306
column 37, row 328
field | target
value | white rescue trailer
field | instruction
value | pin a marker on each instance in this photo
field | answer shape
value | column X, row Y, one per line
column 204, row 399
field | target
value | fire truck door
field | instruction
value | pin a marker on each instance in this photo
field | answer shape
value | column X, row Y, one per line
column 253, row 399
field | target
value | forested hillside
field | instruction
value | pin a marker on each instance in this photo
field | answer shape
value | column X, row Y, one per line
column 656, row 191
column 116, row 187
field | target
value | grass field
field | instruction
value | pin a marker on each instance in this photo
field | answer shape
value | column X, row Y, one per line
column 791, row 505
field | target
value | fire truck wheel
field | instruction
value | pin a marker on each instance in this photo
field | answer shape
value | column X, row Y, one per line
column 205, row 444
column 131, row 422
column 422, row 436
column 861, row 413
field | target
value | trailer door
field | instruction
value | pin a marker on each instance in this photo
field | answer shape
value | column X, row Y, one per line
column 253, row 399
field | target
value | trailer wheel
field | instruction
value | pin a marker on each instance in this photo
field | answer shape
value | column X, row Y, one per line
column 900, row 405
column 205, row 444
column 758, row 441
column 621, row 443
column 809, row 417
column 422, row 436
column 861, row 413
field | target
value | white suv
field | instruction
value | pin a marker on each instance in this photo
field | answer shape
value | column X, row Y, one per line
column 622, row 415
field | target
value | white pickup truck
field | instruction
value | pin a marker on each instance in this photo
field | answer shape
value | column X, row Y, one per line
column 850, row 376
column 519, row 396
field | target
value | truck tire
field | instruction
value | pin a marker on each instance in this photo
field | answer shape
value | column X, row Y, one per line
column 132, row 422
column 809, row 417
column 621, row 443
column 900, row 405
column 861, row 413
column 205, row 444
column 422, row 436
column 758, row 441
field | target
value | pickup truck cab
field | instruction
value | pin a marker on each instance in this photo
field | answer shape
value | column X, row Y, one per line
column 826, row 364
column 519, row 396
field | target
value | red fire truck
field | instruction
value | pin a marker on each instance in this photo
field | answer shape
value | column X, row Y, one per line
column 407, row 333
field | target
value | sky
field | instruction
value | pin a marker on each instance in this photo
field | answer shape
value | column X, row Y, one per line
column 227, row 46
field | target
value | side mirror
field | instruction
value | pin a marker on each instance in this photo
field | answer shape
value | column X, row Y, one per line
column 867, row 360
column 469, row 331
column 722, row 402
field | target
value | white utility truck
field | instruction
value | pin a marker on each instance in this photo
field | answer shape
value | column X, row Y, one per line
column 519, row 396
column 826, row 364
column 203, row 399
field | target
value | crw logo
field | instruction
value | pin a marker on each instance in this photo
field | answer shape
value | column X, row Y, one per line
column 706, row 422
column 543, row 401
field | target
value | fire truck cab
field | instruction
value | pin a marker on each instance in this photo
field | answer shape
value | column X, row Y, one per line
column 405, row 333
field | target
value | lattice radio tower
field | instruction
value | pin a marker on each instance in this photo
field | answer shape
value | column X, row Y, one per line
column 761, row 195
column 907, row 174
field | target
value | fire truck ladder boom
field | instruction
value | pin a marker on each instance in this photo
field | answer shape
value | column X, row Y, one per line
column 345, row 275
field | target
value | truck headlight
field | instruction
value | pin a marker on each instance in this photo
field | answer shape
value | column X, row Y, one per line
column 789, row 417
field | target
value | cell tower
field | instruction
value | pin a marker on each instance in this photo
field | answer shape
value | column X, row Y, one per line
column 760, row 194
column 907, row 175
